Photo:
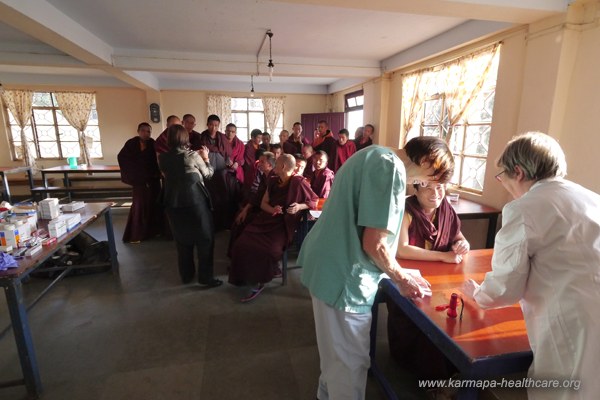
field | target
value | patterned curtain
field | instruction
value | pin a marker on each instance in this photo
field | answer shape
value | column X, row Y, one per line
column 19, row 104
column 413, row 98
column 464, row 79
column 273, row 109
column 76, row 108
column 221, row 106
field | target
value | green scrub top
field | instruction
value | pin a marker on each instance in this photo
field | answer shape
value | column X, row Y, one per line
column 368, row 191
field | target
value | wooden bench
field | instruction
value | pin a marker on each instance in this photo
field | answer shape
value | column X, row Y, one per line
column 106, row 192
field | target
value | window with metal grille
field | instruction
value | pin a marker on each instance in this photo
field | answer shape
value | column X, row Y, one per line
column 248, row 114
column 51, row 134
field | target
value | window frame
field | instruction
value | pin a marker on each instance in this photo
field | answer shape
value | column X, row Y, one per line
column 349, row 109
column 248, row 111
column 33, row 125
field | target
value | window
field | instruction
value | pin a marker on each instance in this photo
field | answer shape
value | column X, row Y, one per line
column 353, row 107
column 470, row 137
column 53, row 137
column 248, row 114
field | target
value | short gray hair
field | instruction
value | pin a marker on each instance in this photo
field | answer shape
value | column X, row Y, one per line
column 537, row 154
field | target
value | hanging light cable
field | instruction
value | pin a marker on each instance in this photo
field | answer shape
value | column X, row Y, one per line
column 251, row 85
column 270, row 65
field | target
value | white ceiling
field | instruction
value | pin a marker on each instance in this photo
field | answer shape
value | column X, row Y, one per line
column 317, row 47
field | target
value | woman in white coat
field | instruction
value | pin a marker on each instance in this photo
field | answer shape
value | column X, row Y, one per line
column 547, row 256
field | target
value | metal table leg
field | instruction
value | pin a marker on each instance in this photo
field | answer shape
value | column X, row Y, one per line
column 110, row 235
column 23, row 339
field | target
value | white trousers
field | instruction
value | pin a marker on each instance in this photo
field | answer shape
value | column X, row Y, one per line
column 343, row 341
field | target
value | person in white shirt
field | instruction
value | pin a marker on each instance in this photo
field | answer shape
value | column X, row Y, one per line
column 547, row 257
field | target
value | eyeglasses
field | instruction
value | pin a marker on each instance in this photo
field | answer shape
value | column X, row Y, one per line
column 498, row 176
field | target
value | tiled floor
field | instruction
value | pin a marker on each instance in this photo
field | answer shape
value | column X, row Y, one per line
column 143, row 335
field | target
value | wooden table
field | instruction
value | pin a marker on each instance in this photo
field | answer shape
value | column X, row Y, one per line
column 11, row 281
column 484, row 344
column 467, row 209
column 13, row 170
column 82, row 171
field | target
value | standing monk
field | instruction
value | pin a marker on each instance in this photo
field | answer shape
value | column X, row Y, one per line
column 294, row 144
column 250, row 155
column 139, row 168
column 326, row 142
column 345, row 148
column 221, row 186
column 366, row 139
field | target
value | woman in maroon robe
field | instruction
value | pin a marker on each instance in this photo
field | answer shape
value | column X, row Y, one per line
column 139, row 168
column 255, row 254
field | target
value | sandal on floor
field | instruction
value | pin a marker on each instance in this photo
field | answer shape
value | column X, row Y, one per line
column 253, row 293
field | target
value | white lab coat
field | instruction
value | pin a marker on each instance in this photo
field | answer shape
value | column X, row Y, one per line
column 547, row 256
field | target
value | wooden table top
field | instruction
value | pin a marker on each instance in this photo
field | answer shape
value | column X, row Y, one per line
column 14, row 170
column 90, row 213
column 465, row 207
column 481, row 333
column 82, row 169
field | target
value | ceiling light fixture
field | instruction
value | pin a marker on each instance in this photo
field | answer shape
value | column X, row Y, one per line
column 270, row 65
column 251, row 85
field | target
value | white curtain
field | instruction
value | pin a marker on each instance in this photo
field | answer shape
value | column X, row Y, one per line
column 76, row 108
column 464, row 79
column 413, row 98
column 221, row 106
column 19, row 104
column 273, row 109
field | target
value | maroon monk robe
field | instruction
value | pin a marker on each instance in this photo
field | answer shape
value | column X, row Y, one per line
column 259, row 248
column 223, row 185
column 237, row 156
column 249, row 162
column 309, row 170
column 293, row 147
column 344, row 151
column 139, row 169
column 441, row 234
column 329, row 146
column 161, row 144
column 406, row 341
column 321, row 182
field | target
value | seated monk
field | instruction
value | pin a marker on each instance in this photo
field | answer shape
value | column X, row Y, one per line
column 430, row 231
column 256, row 252
column 253, row 194
column 323, row 176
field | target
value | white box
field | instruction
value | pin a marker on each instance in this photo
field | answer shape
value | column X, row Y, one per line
column 9, row 235
column 73, row 206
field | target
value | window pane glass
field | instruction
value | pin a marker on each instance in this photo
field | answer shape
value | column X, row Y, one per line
column 11, row 118
column 354, row 120
column 70, row 149
column 456, row 142
column 240, row 120
column 93, row 117
column 46, row 133
column 360, row 100
column 96, row 150
column 433, row 111
column 457, row 168
column 93, row 132
column 242, row 134
column 432, row 131
column 257, row 121
column 43, row 117
column 478, row 140
column 68, row 133
column 60, row 118
column 255, row 104
column 41, row 100
column 351, row 102
column 15, row 133
column 473, row 173
column 48, row 149
column 239, row 104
